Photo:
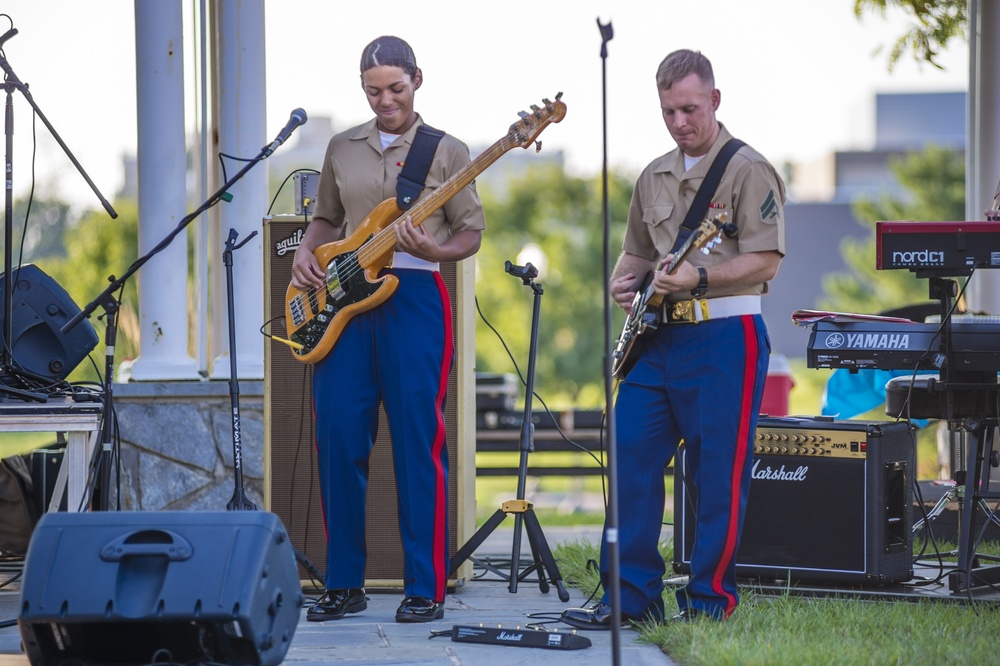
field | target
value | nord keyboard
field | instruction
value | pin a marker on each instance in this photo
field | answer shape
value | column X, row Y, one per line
column 855, row 345
column 954, row 248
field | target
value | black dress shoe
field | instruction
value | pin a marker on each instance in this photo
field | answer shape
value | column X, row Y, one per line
column 597, row 616
column 335, row 604
column 419, row 609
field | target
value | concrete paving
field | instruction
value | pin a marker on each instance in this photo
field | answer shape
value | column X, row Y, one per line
column 373, row 637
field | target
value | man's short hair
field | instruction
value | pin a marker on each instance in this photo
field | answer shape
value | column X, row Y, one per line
column 681, row 63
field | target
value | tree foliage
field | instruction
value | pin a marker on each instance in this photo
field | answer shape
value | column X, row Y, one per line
column 937, row 22
column 563, row 216
column 95, row 248
column 935, row 181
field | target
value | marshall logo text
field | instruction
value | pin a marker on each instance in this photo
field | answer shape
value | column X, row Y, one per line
column 780, row 474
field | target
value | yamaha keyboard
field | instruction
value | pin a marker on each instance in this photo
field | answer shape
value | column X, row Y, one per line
column 883, row 345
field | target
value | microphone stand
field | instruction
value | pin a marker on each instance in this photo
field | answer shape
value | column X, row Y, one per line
column 12, row 83
column 523, row 510
column 239, row 500
column 611, row 519
column 106, row 300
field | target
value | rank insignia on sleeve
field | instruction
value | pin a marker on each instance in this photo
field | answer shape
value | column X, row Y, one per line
column 769, row 209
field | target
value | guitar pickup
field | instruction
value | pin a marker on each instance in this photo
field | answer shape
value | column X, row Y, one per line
column 297, row 311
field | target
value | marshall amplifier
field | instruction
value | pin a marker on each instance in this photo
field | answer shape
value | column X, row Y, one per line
column 828, row 503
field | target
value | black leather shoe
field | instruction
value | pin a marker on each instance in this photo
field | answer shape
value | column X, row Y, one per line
column 689, row 615
column 597, row 616
column 419, row 609
column 335, row 604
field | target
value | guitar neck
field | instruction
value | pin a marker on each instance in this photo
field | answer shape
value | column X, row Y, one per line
column 426, row 207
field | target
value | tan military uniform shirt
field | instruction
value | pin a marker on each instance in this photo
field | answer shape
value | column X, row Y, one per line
column 751, row 192
column 357, row 176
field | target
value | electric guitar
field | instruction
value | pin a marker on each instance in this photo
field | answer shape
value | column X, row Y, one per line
column 315, row 318
column 646, row 304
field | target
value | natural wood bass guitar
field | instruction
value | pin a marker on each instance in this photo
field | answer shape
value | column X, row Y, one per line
column 315, row 318
column 646, row 304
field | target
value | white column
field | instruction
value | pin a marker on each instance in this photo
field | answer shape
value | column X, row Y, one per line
column 162, row 281
column 983, row 143
column 242, row 128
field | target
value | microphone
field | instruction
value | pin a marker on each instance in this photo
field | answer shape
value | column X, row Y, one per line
column 297, row 118
column 7, row 35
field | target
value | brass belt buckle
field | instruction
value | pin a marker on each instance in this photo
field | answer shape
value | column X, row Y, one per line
column 682, row 311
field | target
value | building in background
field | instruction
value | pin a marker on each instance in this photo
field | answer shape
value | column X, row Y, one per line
column 821, row 194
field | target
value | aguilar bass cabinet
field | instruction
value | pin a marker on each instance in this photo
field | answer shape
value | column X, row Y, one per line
column 136, row 587
column 292, row 482
column 829, row 502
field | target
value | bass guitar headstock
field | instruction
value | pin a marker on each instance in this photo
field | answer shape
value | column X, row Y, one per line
column 526, row 130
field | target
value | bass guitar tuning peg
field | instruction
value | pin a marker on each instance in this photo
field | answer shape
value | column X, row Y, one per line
column 534, row 107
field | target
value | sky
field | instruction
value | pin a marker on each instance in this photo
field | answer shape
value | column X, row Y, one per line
column 798, row 79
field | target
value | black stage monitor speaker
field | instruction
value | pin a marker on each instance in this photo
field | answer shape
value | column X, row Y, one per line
column 39, row 308
column 115, row 588
column 829, row 502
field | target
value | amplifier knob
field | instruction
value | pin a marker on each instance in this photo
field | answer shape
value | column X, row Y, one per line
column 784, row 449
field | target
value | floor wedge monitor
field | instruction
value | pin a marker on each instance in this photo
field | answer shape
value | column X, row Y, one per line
column 140, row 587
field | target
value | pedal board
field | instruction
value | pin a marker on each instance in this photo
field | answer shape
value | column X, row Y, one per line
column 518, row 637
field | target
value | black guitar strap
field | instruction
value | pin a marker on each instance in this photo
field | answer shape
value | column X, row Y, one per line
column 705, row 193
column 410, row 182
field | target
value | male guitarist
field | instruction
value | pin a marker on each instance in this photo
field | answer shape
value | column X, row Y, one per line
column 398, row 353
column 700, row 374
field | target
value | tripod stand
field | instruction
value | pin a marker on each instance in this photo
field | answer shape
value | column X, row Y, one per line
column 522, row 510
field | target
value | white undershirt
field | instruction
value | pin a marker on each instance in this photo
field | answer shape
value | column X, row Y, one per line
column 691, row 161
column 404, row 259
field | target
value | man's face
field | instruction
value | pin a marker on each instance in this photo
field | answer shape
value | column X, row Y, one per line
column 688, row 109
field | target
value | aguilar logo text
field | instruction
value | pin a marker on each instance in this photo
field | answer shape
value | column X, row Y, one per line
column 289, row 244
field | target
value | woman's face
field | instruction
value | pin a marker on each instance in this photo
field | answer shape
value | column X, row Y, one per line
column 390, row 94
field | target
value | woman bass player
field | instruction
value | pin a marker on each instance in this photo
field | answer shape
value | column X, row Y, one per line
column 398, row 353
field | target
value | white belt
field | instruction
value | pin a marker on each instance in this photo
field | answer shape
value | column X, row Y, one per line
column 703, row 309
column 406, row 260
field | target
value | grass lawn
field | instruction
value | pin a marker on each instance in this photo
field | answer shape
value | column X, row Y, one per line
column 776, row 629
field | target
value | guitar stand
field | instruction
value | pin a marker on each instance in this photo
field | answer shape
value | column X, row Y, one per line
column 521, row 509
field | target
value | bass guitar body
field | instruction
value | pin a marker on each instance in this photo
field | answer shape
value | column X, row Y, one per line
column 315, row 318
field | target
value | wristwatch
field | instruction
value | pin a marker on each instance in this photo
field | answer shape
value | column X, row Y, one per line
column 702, row 287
